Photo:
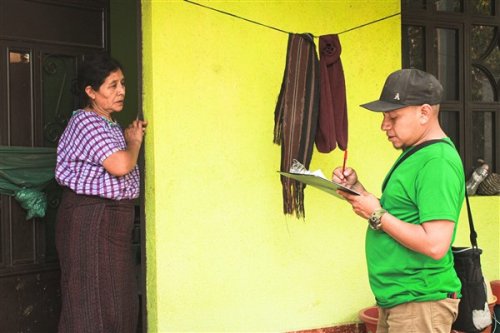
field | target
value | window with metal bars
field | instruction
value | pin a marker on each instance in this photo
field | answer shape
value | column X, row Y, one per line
column 459, row 42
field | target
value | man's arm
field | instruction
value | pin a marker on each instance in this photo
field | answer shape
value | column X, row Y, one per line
column 432, row 238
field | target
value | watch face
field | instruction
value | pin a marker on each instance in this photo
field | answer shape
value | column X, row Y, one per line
column 375, row 219
column 374, row 222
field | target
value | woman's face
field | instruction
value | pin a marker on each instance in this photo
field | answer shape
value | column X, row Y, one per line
column 111, row 94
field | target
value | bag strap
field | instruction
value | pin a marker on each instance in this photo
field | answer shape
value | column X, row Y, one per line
column 408, row 154
column 473, row 234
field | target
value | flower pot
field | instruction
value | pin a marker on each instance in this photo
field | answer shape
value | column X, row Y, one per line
column 495, row 289
column 369, row 316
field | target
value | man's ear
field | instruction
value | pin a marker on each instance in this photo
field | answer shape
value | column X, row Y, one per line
column 425, row 114
column 90, row 92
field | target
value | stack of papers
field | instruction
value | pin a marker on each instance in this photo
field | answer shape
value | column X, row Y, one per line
column 316, row 179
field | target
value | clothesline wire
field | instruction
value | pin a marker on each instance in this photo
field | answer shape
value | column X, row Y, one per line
column 369, row 23
column 281, row 30
column 236, row 16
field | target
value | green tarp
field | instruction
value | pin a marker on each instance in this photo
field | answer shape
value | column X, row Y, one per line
column 24, row 173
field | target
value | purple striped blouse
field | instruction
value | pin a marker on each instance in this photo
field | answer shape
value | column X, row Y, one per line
column 85, row 143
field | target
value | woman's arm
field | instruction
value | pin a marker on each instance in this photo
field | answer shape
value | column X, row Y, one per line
column 122, row 162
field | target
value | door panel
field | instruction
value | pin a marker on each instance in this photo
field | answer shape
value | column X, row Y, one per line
column 57, row 73
column 20, row 97
column 61, row 22
column 30, row 302
column 38, row 61
column 29, row 275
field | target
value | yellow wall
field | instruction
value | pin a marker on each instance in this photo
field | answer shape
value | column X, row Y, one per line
column 221, row 256
column 486, row 217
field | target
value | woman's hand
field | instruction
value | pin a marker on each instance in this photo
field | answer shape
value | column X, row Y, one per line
column 123, row 161
column 134, row 133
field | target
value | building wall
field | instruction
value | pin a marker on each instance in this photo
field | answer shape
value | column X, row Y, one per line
column 221, row 256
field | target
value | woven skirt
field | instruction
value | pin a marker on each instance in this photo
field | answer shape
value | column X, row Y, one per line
column 98, row 281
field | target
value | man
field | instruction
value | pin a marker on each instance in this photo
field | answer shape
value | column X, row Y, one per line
column 412, row 226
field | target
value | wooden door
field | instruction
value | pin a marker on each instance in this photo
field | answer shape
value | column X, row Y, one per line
column 41, row 44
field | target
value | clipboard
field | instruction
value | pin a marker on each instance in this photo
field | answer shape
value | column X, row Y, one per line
column 320, row 183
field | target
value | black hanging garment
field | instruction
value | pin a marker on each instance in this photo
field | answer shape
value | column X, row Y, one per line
column 296, row 115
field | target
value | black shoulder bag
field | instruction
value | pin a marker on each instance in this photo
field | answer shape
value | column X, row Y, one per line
column 473, row 312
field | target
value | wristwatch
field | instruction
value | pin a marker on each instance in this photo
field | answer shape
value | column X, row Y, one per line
column 375, row 219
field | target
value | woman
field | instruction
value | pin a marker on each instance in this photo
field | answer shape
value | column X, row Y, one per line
column 97, row 167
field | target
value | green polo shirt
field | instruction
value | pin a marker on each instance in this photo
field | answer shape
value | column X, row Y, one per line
column 428, row 186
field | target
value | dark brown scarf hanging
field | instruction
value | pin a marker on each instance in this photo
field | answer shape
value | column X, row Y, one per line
column 332, row 123
column 296, row 115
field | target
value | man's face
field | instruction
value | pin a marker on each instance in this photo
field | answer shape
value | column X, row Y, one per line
column 402, row 126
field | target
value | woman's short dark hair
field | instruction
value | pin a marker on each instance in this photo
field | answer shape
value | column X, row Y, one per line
column 93, row 71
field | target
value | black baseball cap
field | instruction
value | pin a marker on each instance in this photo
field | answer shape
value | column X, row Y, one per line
column 407, row 87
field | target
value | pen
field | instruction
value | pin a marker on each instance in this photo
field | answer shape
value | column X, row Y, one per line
column 345, row 159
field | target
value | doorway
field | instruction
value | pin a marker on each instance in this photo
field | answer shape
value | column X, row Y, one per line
column 42, row 43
